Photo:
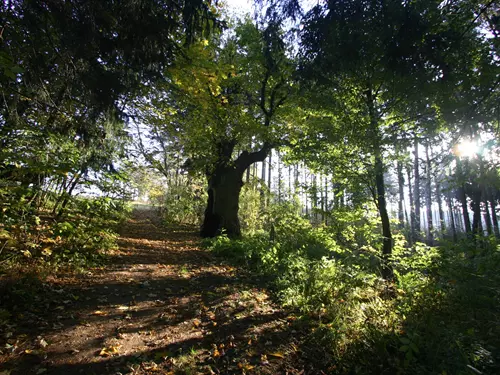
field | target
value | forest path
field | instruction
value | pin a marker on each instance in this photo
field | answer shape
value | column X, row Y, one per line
column 161, row 305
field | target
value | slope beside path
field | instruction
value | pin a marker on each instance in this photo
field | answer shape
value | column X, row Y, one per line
column 161, row 305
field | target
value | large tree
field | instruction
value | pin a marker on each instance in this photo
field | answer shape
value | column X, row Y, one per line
column 221, row 105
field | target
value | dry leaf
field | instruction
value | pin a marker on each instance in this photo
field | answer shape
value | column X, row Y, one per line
column 99, row 313
column 109, row 351
column 196, row 323
column 245, row 366
column 277, row 355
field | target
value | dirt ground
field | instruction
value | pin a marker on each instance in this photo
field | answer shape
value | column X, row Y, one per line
column 161, row 305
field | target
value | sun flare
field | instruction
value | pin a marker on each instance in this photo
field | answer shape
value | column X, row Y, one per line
column 466, row 149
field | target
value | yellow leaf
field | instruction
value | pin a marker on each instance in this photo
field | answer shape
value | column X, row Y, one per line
column 109, row 351
column 277, row 355
column 47, row 251
column 99, row 313
column 196, row 323
column 245, row 366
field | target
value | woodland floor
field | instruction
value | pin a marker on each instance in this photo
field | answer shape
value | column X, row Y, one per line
column 161, row 305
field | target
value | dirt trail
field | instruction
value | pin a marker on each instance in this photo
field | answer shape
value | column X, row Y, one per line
column 161, row 306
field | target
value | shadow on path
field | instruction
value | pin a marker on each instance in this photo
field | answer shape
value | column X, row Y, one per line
column 161, row 305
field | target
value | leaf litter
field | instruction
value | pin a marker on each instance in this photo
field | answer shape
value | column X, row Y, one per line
column 161, row 305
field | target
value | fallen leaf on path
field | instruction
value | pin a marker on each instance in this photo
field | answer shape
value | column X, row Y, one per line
column 99, row 313
column 245, row 366
column 277, row 355
column 43, row 343
column 263, row 359
column 109, row 351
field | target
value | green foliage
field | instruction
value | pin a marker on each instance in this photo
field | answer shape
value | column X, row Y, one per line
column 80, row 238
column 364, row 324
column 250, row 207
column 181, row 200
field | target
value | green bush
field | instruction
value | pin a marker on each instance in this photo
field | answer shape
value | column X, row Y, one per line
column 440, row 316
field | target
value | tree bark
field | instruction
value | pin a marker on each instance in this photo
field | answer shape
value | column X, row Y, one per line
column 387, row 270
column 416, row 195
column 439, row 199
column 494, row 217
column 224, row 186
column 428, row 197
column 452, row 217
column 412, row 207
column 221, row 214
column 401, row 184
column 462, row 197
column 487, row 217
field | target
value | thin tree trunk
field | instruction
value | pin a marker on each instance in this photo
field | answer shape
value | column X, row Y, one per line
column 269, row 172
column 416, row 195
column 494, row 217
column 280, row 177
column 387, row 270
column 452, row 217
column 487, row 217
column 428, row 197
column 462, row 197
column 413, row 234
column 476, row 210
column 263, row 185
column 439, row 199
column 401, row 184
column 289, row 182
column 327, row 207
column 269, row 180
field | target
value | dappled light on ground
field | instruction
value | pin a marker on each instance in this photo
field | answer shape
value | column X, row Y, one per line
column 161, row 305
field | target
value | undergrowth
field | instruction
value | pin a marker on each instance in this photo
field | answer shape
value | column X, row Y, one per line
column 38, row 240
column 440, row 316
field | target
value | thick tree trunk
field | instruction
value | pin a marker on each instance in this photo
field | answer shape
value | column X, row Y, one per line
column 224, row 187
column 221, row 214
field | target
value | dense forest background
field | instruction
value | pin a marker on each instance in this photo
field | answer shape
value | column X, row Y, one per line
column 348, row 152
